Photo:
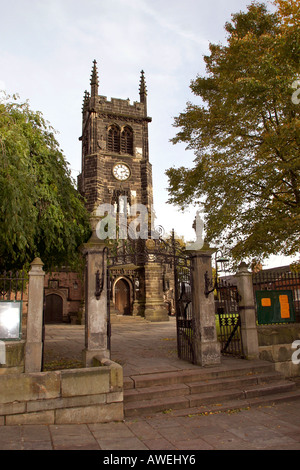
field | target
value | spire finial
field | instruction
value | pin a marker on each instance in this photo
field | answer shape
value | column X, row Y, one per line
column 94, row 80
column 86, row 101
column 94, row 77
column 143, row 88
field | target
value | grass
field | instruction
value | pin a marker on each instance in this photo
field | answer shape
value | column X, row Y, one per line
column 60, row 364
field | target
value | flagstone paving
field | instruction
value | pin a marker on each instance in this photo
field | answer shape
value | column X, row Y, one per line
column 263, row 428
column 143, row 348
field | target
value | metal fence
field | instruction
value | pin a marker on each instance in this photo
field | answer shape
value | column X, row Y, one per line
column 13, row 285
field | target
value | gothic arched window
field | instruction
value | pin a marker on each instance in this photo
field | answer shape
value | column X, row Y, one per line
column 113, row 139
column 127, row 141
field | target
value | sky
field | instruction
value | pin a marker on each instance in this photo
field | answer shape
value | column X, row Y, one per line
column 47, row 52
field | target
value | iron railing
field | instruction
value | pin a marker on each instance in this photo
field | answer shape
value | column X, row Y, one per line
column 12, row 285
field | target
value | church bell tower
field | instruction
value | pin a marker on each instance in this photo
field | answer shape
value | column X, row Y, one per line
column 116, row 171
column 115, row 149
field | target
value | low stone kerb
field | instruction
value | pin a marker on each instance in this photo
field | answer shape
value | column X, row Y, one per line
column 88, row 381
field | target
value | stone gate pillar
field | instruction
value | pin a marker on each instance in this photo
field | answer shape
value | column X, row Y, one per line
column 247, row 313
column 34, row 333
column 207, row 347
column 155, row 308
column 95, row 300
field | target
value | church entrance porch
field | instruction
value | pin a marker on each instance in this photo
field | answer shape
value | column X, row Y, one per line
column 136, row 280
column 122, row 297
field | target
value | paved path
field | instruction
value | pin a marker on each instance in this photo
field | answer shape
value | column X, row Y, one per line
column 151, row 347
column 273, row 428
column 140, row 347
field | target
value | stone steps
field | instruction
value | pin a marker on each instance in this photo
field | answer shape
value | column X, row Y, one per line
column 205, row 389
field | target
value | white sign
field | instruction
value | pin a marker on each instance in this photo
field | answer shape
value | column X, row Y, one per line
column 10, row 320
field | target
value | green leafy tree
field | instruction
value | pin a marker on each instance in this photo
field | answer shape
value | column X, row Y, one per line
column 42, row 213
column 246, row 136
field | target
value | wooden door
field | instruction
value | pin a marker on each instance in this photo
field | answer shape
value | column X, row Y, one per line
column 122, row 297
column 54, row 309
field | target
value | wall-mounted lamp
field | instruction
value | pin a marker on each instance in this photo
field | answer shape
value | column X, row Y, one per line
column 212, row 284
column 222, row 260
column 99, row 285
column 100, row 279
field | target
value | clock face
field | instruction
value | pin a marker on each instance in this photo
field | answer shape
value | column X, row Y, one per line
column 121, row 171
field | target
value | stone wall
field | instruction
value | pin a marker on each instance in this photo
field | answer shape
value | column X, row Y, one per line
column 72, row 396
column 15, row 353
column 275, row 345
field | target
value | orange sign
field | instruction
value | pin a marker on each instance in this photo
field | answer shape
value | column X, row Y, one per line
column 284, row 306
column 266, row 302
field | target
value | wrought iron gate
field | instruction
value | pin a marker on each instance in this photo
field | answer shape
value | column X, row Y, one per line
column 184, row 308
column 228, row 319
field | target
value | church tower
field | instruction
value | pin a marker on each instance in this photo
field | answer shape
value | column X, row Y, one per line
column 116, row 171
column 115, row 149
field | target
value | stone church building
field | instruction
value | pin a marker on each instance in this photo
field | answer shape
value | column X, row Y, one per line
column 116, row 171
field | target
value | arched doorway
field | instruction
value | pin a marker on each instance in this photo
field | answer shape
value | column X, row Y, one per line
column 54, row 309
column 122, row 297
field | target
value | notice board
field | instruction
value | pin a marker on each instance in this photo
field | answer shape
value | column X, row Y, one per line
column 275, row 306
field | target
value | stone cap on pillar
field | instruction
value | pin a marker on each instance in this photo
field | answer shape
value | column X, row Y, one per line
column 205, row 250
column 37, row 267
column 94, row 244
column 94, row 219
column 243, row 269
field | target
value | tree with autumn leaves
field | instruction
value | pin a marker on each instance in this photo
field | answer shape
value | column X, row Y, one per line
column 246, row 136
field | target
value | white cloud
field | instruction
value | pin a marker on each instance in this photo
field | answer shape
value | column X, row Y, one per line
column 162, row 20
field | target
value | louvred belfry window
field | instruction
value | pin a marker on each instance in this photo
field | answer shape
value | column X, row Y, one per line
column 127, row 141
column 113, row 139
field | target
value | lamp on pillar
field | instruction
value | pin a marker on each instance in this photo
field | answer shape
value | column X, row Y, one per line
column 222, row 260
column 212, row 284
column 100, row 280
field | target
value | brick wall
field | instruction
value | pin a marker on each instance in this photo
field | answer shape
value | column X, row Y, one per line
column 69, row 286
